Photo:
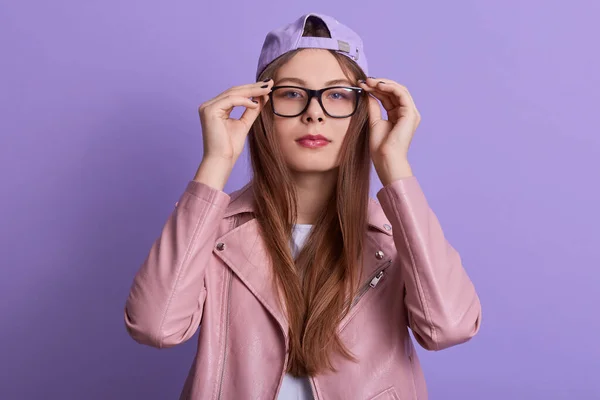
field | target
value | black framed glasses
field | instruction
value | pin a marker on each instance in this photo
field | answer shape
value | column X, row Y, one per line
column 336, row 101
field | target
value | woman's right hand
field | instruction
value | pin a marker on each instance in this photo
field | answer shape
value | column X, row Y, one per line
column 223, row 137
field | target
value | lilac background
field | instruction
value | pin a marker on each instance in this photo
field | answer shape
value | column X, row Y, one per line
column 99, row 134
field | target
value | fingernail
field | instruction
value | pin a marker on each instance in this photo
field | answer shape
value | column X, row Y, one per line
column 381, row 82
column 372, row 77
column 264, row 86
column 255, row 102
column 267, row 80
column 362, row 81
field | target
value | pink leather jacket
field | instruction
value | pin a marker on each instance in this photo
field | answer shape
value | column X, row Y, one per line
column 209, row 267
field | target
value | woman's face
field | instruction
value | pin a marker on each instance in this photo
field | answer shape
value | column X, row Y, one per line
column 311, row 69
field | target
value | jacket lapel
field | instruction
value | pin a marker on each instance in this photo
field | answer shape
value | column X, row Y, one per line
column 248, row 259
column 246, row 254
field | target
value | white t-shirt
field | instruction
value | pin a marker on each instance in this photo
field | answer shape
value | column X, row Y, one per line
column 294, row 388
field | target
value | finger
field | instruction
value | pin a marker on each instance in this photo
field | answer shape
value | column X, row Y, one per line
column 385, row 98
column 267, row 83
column 374, row 109
column 225, row 105
column 380, row 86
column 402, row 97
column 251, row 90
column 400, row 93
column 250, row 115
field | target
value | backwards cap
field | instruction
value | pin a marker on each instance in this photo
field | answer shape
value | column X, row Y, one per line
column 289, row 37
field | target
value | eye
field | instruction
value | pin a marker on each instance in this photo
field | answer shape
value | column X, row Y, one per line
column 292, row 94
column 339, row 94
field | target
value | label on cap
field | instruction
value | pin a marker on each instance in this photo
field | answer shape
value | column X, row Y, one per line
column 344, row 46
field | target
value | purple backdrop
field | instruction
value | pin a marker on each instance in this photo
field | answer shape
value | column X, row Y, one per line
column 99, row 134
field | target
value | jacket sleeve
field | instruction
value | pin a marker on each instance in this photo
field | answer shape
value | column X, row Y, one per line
column 165, row 303
column 443, row 307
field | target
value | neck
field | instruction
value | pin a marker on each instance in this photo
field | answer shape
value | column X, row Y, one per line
column 313, row 190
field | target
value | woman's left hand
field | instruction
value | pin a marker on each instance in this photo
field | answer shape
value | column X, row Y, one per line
column 391, row 138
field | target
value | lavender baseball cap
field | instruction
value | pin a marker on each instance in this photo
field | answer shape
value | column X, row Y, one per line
column 289, row 37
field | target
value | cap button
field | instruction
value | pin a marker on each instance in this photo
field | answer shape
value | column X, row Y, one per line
column 220, row 246
column 379, row 255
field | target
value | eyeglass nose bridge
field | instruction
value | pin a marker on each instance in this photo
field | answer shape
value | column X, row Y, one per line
column 316, row 94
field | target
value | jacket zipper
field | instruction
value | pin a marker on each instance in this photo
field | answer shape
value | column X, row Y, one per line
column 234, row 223
column 285, row 361
column 226, row 334
column 372, row 283
column 314, row 388
column 412, row 365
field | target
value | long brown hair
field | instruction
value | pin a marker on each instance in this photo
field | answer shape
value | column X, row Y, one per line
column 317, row 286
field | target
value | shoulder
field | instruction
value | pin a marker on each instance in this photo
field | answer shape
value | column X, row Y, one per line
column 240, row 201
column 377, row 220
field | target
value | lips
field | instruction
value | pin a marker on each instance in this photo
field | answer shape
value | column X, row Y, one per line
column 313, row 137
column 313, row 141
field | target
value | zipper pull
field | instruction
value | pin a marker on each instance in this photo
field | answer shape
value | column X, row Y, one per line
column 376, row 279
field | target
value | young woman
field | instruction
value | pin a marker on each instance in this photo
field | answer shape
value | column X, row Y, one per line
column 301, row 285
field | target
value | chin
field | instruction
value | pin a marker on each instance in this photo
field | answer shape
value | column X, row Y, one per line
column 312, row 168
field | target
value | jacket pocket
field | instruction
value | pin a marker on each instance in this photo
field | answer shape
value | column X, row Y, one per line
column 387, row 394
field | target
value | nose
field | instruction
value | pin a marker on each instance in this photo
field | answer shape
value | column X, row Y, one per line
column 314, row 112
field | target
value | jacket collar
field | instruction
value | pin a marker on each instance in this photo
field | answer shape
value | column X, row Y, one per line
column 242, row 201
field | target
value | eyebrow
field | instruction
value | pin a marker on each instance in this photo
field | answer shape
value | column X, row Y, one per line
column 328, row 83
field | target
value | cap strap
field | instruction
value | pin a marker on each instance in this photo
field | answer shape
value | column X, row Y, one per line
column 329, row 44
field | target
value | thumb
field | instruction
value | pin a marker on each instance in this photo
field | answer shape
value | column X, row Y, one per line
column 374, row 110
column 250, row 115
